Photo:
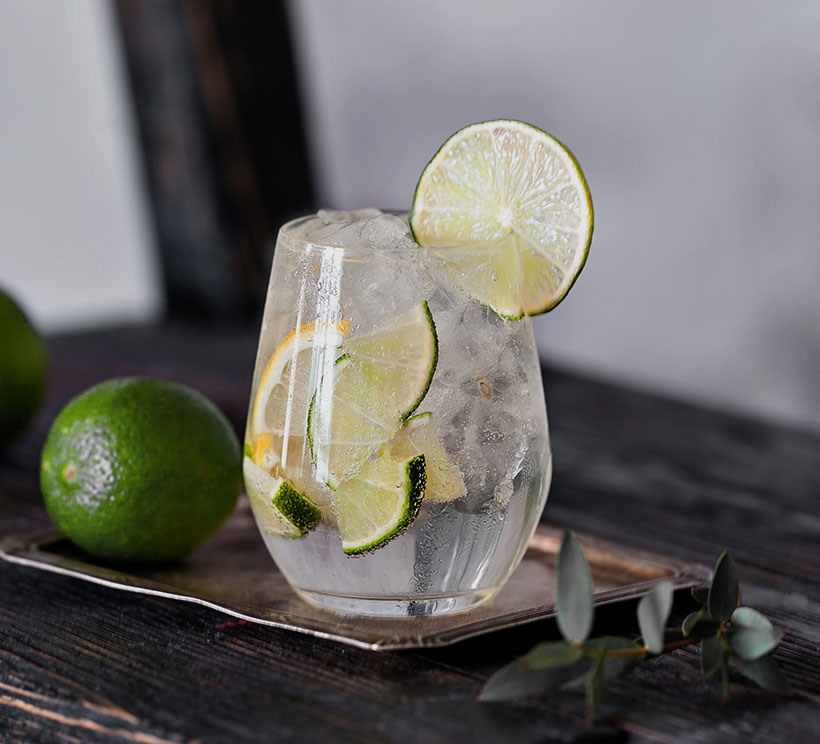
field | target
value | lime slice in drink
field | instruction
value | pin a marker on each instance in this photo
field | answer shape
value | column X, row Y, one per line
column 377, row 383
column 291, row 459
column 279, row 507
column 444, row 479
column 380, row 503
column 510, row 205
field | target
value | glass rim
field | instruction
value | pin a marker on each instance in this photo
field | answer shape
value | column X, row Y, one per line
column 288, row 231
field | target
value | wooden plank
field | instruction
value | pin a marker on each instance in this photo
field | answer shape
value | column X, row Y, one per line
column 152, row 660
column 644, row 470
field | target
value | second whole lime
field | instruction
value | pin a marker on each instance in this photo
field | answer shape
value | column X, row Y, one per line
column 23, row 368
column 140, row 470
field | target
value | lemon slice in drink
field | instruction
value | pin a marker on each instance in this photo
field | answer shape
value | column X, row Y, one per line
column 377, row 383
column 278, row 506
column 279, row 416
column 380, row 503
column 283, row 393
column 444, row 479
column 510, row 205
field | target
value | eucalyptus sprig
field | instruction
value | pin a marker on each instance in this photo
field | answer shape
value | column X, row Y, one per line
column 730, row 636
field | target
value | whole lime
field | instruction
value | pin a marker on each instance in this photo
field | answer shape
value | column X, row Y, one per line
column 140, row 470
column 23, row 365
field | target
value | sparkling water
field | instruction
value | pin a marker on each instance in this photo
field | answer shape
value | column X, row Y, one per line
column 487, row 402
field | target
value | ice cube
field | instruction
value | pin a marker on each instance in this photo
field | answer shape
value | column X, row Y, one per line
column 360, row 228
column 387, row 231
column 338, row 233
column 341, row 228
column 333, row 216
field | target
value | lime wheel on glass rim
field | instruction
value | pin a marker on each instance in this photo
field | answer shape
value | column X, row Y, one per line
column 509, row 210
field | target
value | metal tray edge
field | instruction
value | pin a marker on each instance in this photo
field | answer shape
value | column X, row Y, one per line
column 14, row 549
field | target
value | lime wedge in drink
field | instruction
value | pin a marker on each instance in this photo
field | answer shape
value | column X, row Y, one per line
column 376, row 384
column 280, row 508
column 444, row 479
column 380, row 503
column 509, row 208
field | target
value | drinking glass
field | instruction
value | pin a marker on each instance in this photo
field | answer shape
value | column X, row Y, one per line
column 356, row 314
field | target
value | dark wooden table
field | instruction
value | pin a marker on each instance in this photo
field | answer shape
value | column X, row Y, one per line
column 82, row 663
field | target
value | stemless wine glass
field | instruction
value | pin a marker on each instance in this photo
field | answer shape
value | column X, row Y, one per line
column 396, row 456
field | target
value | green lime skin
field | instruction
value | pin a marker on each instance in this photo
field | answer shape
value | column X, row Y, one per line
column 140, row 470
column 23, row 370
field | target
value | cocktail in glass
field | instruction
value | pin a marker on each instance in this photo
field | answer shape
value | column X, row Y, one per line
column 397, row 457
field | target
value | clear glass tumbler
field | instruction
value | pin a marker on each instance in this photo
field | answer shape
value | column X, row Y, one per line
column 397, row 457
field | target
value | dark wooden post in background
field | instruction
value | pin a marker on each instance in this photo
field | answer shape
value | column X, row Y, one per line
column 224, row 145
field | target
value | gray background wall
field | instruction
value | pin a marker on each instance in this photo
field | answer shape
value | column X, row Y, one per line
column 697, row 124
column 76, row 246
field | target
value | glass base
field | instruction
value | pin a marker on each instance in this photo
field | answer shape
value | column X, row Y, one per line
column 426, row 605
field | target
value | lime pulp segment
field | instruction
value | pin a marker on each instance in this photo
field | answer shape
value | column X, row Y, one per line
column 418, row 435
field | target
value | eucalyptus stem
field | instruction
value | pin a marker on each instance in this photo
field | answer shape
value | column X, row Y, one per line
column 620, row 653
column 680, row 644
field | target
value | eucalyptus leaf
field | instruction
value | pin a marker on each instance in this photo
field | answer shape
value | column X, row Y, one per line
column 752, row 635
column 765, row 673
column 712, row 655
column 752, row 644
column 513, row 681
column 699, row 625
column 596, row 680
column 691, row 620
column 700, row 594
column 575, row 610
column 673, row 635
column 748, row 619
column 723, row 592
column 653, row 612
column 520, row 678
column 551, row 654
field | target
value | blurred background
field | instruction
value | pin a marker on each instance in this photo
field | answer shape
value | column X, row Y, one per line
column 149, row 150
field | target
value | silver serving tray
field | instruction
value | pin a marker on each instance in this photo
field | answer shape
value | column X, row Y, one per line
column 233, row 573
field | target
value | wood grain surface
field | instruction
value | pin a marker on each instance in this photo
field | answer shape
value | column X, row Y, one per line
column 82, row 663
